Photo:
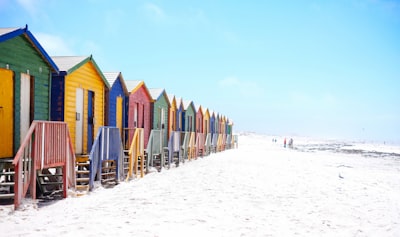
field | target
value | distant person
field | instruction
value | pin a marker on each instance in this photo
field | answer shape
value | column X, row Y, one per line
column 290, row 143
column 284, row 142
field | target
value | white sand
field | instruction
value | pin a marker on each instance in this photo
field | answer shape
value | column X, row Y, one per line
column 260, row 189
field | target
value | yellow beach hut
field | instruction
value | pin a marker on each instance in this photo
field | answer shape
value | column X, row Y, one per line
column 79, row 98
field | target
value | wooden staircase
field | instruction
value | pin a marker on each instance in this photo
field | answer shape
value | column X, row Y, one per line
column 82, row 170
column 109, row 173
column 6, row 179
column 126, row 163
column 50, row 183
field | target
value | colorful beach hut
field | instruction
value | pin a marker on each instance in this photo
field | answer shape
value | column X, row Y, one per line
column 139, row 111
column 29, row 144
column 180, row 112
column 172, row 114
column 118, row 94
column 160, row 106
column 25, row 72
column 189, row 121
column 79, row 96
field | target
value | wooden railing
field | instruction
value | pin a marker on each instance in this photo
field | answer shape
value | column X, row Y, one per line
column 174, row 146
column 47, row 144
column 200, row 145
column 136, row 150
column 107, row 146
column 192, row 146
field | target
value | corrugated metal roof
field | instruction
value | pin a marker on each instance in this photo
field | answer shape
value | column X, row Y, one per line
column 156, row 93
column 132, row 84
column 66, row 63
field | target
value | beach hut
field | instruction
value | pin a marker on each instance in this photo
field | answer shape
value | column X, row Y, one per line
column 172, row 114
column 189, row 126
column 180, row 112
column 25, row 72
column 79, row 98
column 139, row 111
column 118, row 94
column 189, row 116
column 160, row 106
column 206, row 131
column 200, row 137
column 29, row 143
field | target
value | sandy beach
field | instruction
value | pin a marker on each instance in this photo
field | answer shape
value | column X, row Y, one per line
column 259, row 189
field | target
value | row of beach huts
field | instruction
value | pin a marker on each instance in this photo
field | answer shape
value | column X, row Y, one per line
column 66, row 125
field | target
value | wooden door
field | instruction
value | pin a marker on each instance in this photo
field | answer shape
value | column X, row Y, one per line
column 25, row 105
column 90, row 124
column 79, row 121
column 6, row 113
column 119, row 113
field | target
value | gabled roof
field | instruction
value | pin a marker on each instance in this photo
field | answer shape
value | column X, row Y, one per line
column 205, row 111
column 134, row 85
column 179, row 102
column 112, row 77
column 156, row 93
column 187, row 103
column 69, row 64
column 171, row 98
column 9, row 33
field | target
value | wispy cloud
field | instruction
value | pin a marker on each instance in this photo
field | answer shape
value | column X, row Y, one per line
column 154, row 11
column 245, row 88
column 31, row 6
column 54, row 45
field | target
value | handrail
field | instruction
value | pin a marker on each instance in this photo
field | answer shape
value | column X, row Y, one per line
column 192, row 146
column 200, row 144
column 107, row 146
column 136, row 150
column 45, row 145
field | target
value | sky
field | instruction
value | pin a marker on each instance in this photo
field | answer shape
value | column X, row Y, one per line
column 326, row 69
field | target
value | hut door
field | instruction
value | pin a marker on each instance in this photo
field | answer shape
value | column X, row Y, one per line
column 90, row 126
column 6, row 113
column 119, row 114
column 26, row 105
column 79, row 121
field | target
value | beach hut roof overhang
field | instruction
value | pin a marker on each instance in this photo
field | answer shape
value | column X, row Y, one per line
column 112, row 77
column 9, row 33
column 68, row 64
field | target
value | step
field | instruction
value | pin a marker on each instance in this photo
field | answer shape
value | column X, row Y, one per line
column 82, row 179
column 7, row 195
column 108, row 180
column 7, row 173
column 108, row 174
column 82, row 171
column 7, row 184
column 82, row 187
column 109, row 168
column 47, row 175
column 51, row 183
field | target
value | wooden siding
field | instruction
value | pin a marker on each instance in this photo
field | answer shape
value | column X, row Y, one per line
column 115, row 92
column 199, row 120
column 141, row 99
column 172, row 117
column 21, row 57
column 161, row 105
column 87, row 78
column 206, row 122
column 190, row 115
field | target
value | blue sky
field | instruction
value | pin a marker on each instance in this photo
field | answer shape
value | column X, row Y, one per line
column 327, row 69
